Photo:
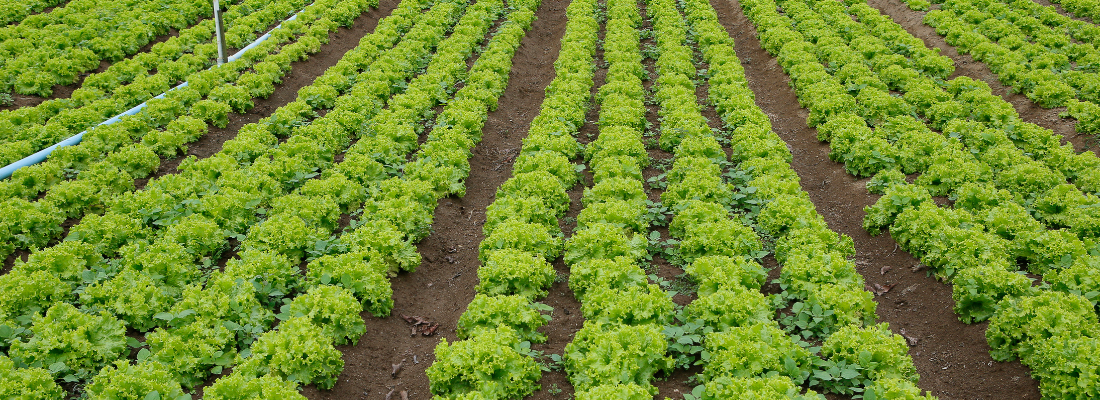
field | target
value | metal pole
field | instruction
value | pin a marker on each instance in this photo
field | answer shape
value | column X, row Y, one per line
column 219, row 30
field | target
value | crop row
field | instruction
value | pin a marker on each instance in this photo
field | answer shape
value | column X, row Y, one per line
column 746, row 352
column 100, row 171
column 1081, row 8
column 351, row 275
column 981, row 160
column 198, row 335
column 36, row 55
column 1027, row 164
column 621, row 348
column 129, row 82
column 15, row 11
column 1048, row 15
column 1040, row 61
column 397, row 210
column 493, row 361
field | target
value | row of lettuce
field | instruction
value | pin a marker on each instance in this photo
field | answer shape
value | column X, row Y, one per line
column 146, row 275
column 1033, row 49
column 1082, row 9
column 15, row 11
column 70, row 40
column 621, row 349
column 127, row 83
column 1007, row 179
column 622, row 346
column 746, row 352
column 493, row 360
column 163, row 266
column 91, row 177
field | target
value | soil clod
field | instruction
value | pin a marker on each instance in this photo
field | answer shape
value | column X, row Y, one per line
column 420, row 325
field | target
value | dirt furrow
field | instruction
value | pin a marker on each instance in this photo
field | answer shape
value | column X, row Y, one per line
column 951, row 357
column 443, row 285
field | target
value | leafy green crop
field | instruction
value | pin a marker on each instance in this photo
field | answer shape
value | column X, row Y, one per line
column 25, row 293
column 514, row 234
column 70, row 344
column 518, row 272
column 725, row 309
column 1022, row 323
column 603, row 241
column 297, row 351
column 755, row 350
column 600, row 355
column 802, row 274
column 360, row 273
column 978, row 291
column 628, row 391
column 873, row 351
column 619, row 272
column 242, row 386
column 131, row 296
column 770, row 387
column 491, row 363
column 725, row 237
column 195, row 351
column 632, row 305
column 333, row 308
column 141, row 381
column 715, row 273
column 34, row 383
column 486, row 313
column 894, row 388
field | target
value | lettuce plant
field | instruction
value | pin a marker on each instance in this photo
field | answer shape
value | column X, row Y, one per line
column 600, row 355
column 297, row 351
column 72, row 345
column 195, row 351
column 633, row 305
column 125, row 381
column 1022, row 323
column 878, row 353
column 242, row 386
column 754, row 350
column 512, row 271
column 333, row 308
column 628, row 391
column 485, row 313
column 492, row 363
column 775, row 386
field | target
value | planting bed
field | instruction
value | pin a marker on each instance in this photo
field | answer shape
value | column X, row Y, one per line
column 586, row 199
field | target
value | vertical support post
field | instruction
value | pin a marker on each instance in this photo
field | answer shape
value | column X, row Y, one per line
column 219, row 30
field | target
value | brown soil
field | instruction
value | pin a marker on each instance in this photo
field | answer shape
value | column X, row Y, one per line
column 965, row 65
column 444, row 284
column 951, row 357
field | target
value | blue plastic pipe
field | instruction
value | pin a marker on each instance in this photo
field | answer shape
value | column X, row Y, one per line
column 41, row 155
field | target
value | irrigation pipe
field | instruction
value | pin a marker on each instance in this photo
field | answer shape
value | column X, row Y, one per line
column 75, row 139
